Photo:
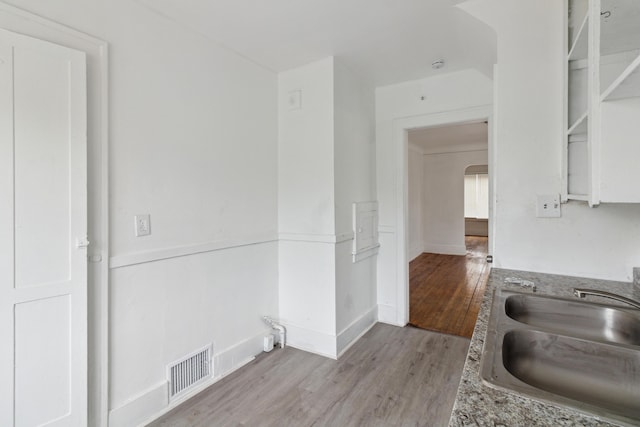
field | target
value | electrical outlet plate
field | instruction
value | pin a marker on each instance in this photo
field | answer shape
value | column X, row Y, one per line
column 142, row 225
column 548, row 206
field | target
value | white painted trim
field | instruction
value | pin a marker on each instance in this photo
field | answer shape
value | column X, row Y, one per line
column 311, row 341
column 138, row 407
column 365, row 244
column 386, row 229
column 437, row 248
column 352, row 333
column 466, row 148
column 126, row 260
column 32, row 17
column 492, row 158
column 387, row 314
column 344, row 237
column 316, row 238
column 104, row 267
column 230, row 359
column 369, row 252
column 416, row 251
column 152, row 403
column 32, row 25
column 400, row 142
column 197, row 390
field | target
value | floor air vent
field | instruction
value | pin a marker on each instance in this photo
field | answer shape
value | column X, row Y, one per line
column 188, row 372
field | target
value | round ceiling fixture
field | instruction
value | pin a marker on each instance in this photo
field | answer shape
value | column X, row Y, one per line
column 436, row 65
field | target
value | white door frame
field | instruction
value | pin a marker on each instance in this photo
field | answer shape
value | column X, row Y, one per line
column 26, row 23
column 401, row 140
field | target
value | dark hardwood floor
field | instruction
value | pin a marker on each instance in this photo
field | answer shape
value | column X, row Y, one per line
column 445, row 291
column 390, row 377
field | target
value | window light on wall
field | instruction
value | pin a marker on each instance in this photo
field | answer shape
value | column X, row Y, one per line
column 476, row 196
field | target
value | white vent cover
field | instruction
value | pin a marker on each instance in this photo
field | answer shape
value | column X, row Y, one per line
column 189, row 371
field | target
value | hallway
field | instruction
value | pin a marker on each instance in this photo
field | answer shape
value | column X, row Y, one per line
column 446, row 290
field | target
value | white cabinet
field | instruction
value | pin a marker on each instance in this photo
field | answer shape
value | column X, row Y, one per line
column 602, row 141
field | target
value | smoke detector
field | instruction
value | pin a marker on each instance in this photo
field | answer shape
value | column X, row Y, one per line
column 436, row 65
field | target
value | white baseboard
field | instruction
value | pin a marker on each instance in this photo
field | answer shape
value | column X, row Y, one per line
column 154, row 402
column 415, row 252
column 388, row 314
column 327, row 345
column 140, row 407
column 311, row 341
column 355, row 330
column 445, row 249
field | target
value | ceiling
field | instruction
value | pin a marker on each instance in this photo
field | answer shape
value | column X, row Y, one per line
column 446, row 139
column 386, row 41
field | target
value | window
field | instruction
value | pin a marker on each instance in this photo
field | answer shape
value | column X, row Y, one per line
column 476, row 196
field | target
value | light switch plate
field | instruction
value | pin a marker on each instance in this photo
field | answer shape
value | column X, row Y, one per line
column 548, row 206
column 142, row 225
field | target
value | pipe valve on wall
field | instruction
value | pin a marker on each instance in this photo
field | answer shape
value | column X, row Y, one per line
column 281, row 329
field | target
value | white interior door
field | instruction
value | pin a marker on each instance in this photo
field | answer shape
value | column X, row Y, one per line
column 43, row 228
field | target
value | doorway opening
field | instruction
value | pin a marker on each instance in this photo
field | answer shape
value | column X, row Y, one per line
column 447, row 225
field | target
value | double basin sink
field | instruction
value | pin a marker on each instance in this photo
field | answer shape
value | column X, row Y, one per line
column 564, row 351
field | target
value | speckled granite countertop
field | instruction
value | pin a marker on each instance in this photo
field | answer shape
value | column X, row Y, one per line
column 480, row 405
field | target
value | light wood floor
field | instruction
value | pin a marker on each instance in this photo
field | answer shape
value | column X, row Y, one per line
column 390, row 377
column 446, row 290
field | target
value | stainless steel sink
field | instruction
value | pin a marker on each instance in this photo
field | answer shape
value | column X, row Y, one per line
column 606, row 376
column 575, row 318
column 573, row 353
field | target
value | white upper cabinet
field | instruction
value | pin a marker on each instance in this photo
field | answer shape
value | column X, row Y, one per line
column 602, row 144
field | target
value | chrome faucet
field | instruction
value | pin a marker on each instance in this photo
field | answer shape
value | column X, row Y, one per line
column 581, row 293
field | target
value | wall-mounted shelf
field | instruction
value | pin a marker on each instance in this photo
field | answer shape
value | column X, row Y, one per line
column 578, row 83
column 603, row 101
column 577, row 15
column 579, row 126
column 627, row 84
column 579, row 48
column 578, row 177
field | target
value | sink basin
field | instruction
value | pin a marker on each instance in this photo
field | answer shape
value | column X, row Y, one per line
column 597, row 374
column 577, row 354
column 578, row 319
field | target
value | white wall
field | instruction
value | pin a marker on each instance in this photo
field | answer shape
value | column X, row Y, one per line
column 416, row 193
column 163, row 310
column 443, row 207
column 193, row 142
column 306, row 151
column 325, row 164
column 306, row 207
column 447, row 95
column 356, row 305
column 598, row 243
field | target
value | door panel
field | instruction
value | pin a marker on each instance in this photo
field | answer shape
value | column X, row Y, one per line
column 41, row 141
column 43, row 213
column 42, row 351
